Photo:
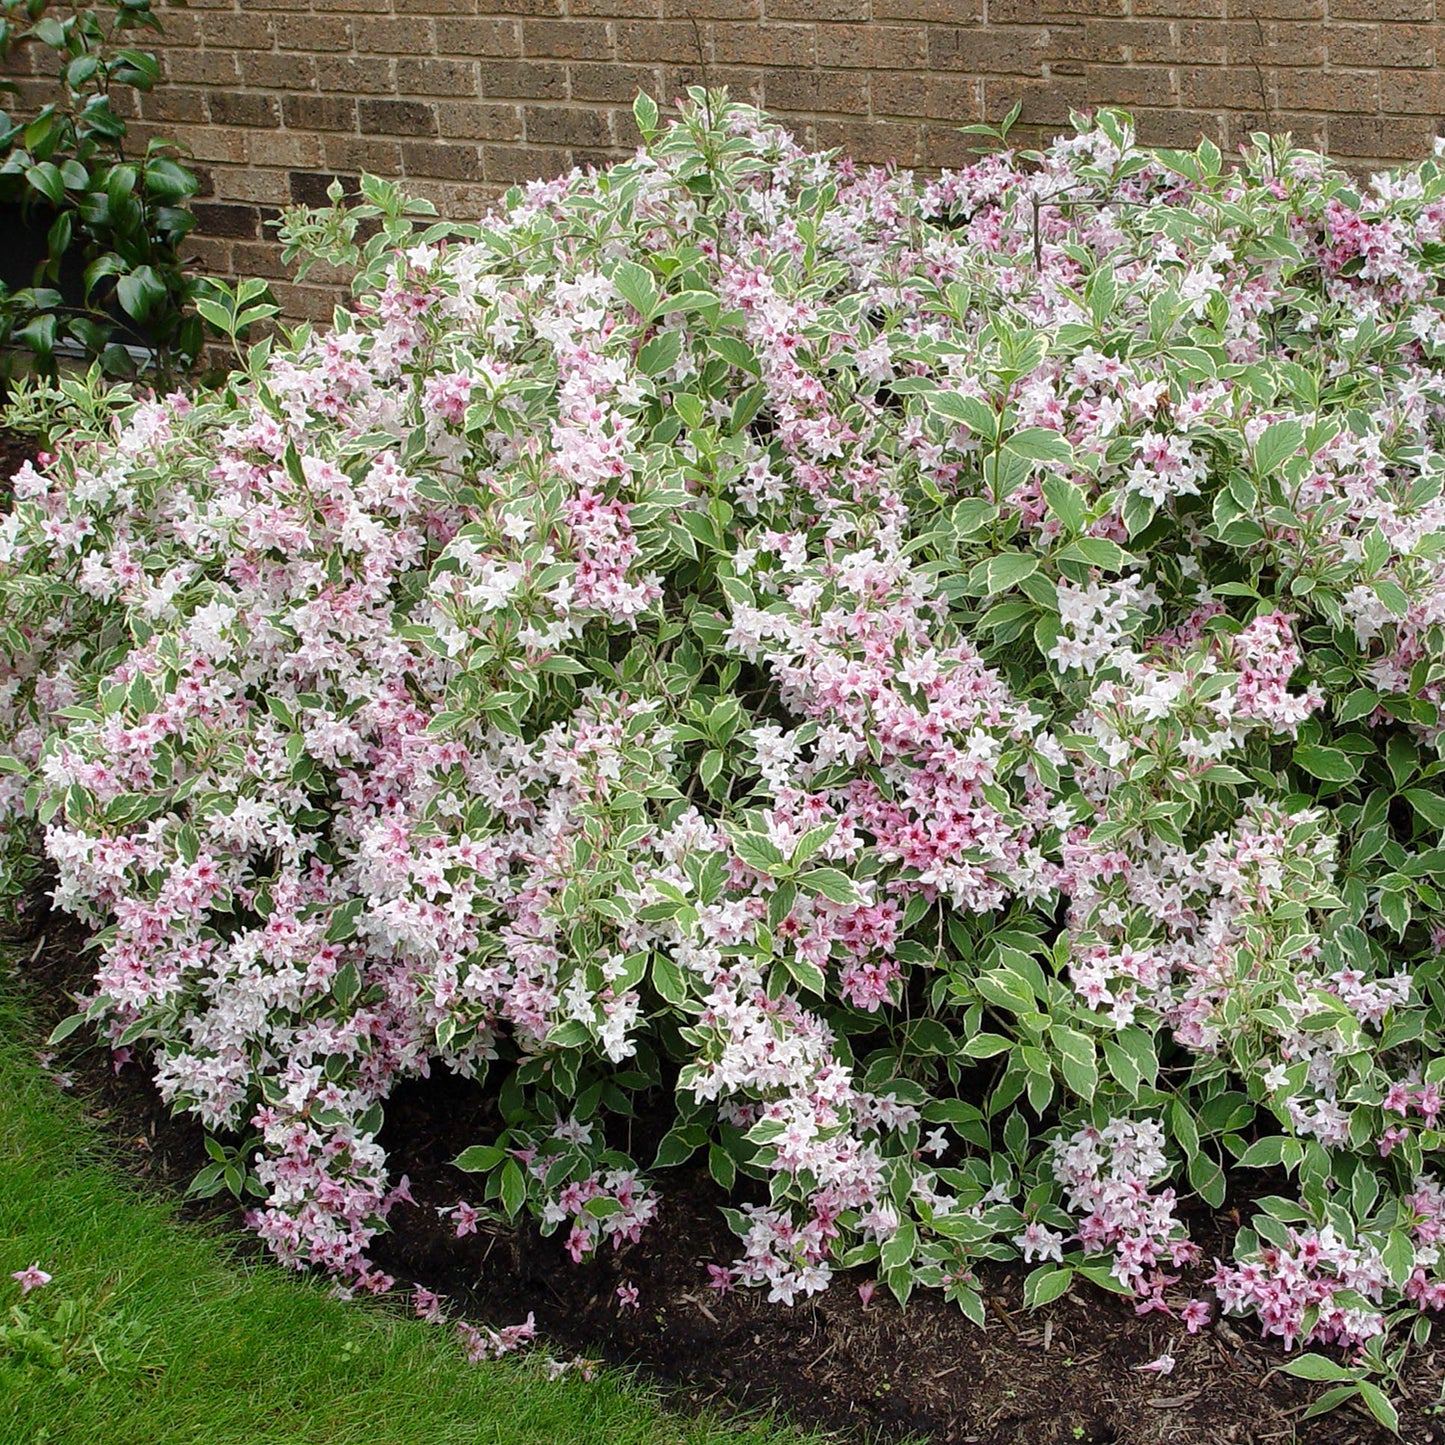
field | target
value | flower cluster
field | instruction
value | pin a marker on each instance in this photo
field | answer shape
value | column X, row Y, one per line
column 927, row 691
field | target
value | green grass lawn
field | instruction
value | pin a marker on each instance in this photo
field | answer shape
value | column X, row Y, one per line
column 203, row 1346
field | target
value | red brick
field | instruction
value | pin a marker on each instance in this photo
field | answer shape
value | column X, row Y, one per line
column 1375, row 137
column 1334, row 91
column 944, row 147
column 472, row 120
column 1045, row 103
column 950, row 12
column 284, row 148
column 351, row 76
column 319, row 112
column 872, row 47
column 718, row 9
column 610, row 82
column 1377, row 10
column 233, row 222
column 210, row 256
column 1179, row 128
column 817, row 91
column 658, row 42
column 201, row 67
column 1419, row 92
column 567, row 39
column 258, row 258
column 362, row 153
column 734, row 44
column 1277, row 44
column 436, row 77
column 480, row 37
column 1132, row 85
column 397, row 117
column 522, row 80
column 387, row 35
column 566, row 125
column 617, row 9
column 170, row 104
column 1183, row 9
column 937, row 97
column 452, row 161
column 1002, row 52
column 872, row 142
column 317, row 34
column 287, row 70
column 237, row 107
column 828, row 11
column 1389, row 46
column 237, row 31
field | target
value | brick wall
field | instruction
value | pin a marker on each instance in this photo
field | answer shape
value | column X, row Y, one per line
column 462, row 97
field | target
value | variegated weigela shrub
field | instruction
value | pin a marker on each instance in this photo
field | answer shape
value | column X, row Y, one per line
column 932, row 689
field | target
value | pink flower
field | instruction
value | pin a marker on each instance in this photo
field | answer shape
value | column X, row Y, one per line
column 720, row 1278
column 1163, row 1365
column 32, row 1278
column 466, row 1218
column 1196, row 1315
column 428, row 1306
column 627, row 1295
column 866, row 1291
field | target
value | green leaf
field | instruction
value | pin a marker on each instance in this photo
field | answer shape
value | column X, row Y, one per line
column 167, row 179
column 1430, row 806
column 1317, row 1368
column 746, row 407
column 722, row 1167
column 1046, row 1284
column 636, row 286
column 1039, row 444
column 1399, row 1257
column 834, row 885
column 513, row 1188
column 1206, row 1178
column 140, row 292
column 986, row 1046
column 1008, row 569
column 667, row 979
column 1067, row 503
column 806, row 974
column 1264, row 1153
column 65, row 1028
column 46, row 179
column 644, row 111
column 978, row 416
column 1330, row 765
column 1277, row 443
column 1098, row 552
column 972, row 515
column 660, row 354
column 1077, row 1061
column 687, row 302
column 1378, row 1404
column 346, row 985
column 760, row 854
column 479, row 1158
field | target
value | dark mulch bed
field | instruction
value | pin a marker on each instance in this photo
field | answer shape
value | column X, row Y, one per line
column 15, row 450
column 1062, row 1375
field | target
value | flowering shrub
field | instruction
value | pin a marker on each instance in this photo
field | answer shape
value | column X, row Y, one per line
column 938, row 681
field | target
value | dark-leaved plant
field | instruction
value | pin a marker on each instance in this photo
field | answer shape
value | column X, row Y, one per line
column 115, row 217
